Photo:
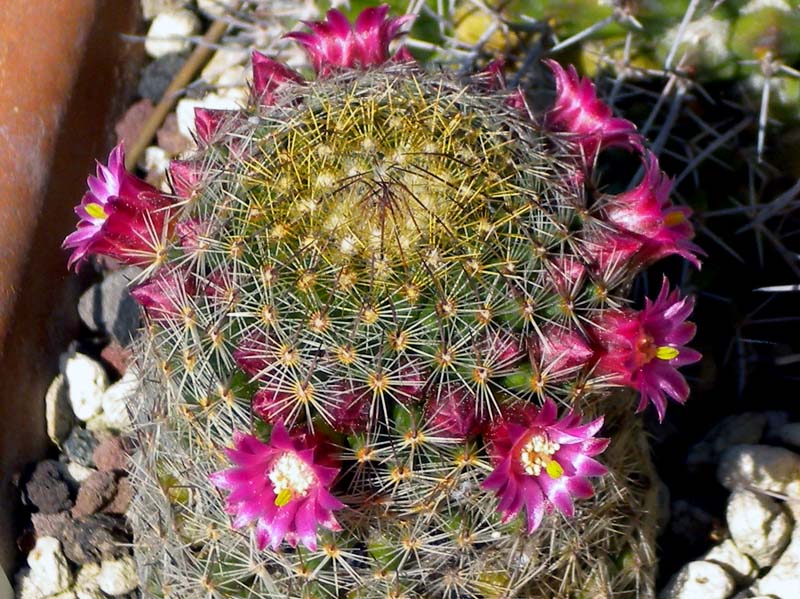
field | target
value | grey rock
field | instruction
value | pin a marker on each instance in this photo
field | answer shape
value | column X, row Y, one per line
column 96, row 492
column 47, row 490
column 107, row 307
column 58, row 411
column 157, row 76
column 49, row 571
column 111, row 454
column 783, row 580
column 763, row 467
column 733, row 430
column 758, row 525
column 699, row 580
column 118, row 577
column 50, row 525
column 729, row 557
column 80, row 446
column 93, row 538
column 790, row 434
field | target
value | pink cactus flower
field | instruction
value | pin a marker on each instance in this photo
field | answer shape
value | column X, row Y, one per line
column 350, row 411
column 646, row 210
column 452, row 411
column 166, row 296
column 273, row 405
column 541, row 462
column 184, row 176
column 560, row 351
column 578, row 111
column 644, row 349
column 282, row 486
column 335, row 43
column 207, row 122
column 268, row 76
column 121, row 216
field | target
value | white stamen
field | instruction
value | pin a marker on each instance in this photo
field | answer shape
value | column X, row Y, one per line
column 290, row 473
column 536, row 454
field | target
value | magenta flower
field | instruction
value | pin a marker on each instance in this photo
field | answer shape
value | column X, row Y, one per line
column 560, row 351
column 541, row 462
column 166, row 296
column 268, row 76
column 185, row 177
column 282, row 486
column 121, row 216
column 646, row 210
column 578, row 111
column 335, row 43
column 644, row 349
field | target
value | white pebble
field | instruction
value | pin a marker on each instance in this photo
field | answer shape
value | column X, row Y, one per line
column 86, row 585
column 86, row 381
column 58, row 412
column 758, row 526
column 49, row 571
column 116, row 400
column 118, row 576
column 766, row 468
column 215, row 8
column 169, row 31
column 783, row 580
column 78, row 472
column 223, row 59
column 699, row 580
column 736, row 563
column 156, row 160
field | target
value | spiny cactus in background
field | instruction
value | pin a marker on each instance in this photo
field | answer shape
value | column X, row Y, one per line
column 386, row 323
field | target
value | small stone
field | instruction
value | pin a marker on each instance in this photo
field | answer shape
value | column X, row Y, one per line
column 50, row 525
column 153, row 8
column 79, row 473
column 215, row 8
column 699, row 580
column 766, row 468
column 92, row 538
column 118, row 577
column 758, row 526
column 223, row 59
column 24, row 585
column 790, row 434
column 108, row 308
column 116, row 356
column 58, row 411
column 86, row 585
column 169, row 33
column 116, row 400
column 46, row 489
column 170, row 139
column 185, row 111
column 97, row 491
column 111, row 455
column 783, row 580
column 157, row 76
column 86, row 381
column 156, row 162
column 80, row 445
column 122, row 500
column 735, row 563
column 49, row 571
column 132, row 122
column 733, row 430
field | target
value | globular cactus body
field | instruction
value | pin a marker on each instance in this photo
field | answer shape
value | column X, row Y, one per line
column 368, row 303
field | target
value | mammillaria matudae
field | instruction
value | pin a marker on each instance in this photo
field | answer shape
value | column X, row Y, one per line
column 385, row 310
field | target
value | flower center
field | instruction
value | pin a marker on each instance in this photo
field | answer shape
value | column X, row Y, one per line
column 537, row 454
column 647, row 350
column 674, row 218
column 290, row 477
column 96, row 211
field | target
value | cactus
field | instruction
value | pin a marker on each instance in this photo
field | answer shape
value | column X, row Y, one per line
column 386, row 320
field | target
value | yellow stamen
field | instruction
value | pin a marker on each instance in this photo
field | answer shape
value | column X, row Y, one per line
column 284, row 497
column 554, row 469
column 96, row 211
column 666, row 353
column 674, row 218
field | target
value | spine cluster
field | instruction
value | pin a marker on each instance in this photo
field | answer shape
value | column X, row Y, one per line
column 386, row 311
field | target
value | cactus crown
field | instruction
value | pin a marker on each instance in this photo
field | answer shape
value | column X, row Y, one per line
column 367, row 304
